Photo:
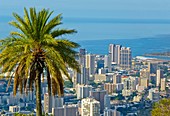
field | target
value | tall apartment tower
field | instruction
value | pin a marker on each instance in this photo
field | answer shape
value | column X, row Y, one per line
column 107, row 101
column 83, row 91
column 144, row 73
column 82, row 58
column 109, row 63
column 90, row 63
column 99, row 96
column 144, row 82
column 116, row 78
column 117, row 54
column 83, row 77
column 114, row 51
column 159, row 75
column 57, row 101
column 163, row 84
column 110, row 112
column 125, row 58
column 90, row 107
column 128, row 87
column 111, row 52
column 152, row 67
column 66, row 110
column 106, row 61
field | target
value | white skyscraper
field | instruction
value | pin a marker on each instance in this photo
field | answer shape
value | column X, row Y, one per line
column 159, row 75
column 106, row 61
column 90, row 107
column 163, row 84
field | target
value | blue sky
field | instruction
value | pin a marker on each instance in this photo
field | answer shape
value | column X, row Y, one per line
column 91, row 10
column 151, row 9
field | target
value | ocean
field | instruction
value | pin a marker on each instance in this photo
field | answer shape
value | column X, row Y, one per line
column 95, row 34
column 138, row 46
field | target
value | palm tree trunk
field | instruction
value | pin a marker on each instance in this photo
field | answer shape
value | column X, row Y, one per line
column 38, row 94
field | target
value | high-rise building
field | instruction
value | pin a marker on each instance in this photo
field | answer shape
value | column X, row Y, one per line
column 66, row 110
column 114, row 51
column 90, row 107
column 90, row 63
column 82, row 59
column 99, row 96
column 129, row 85
column 117, row 54
column 82, row 51
column 159, row 75
column 101, row 71
column 144, row 82
column 83, row 91
column 109, row 63
column 83, row 77
column 110, row 87
column 119, row 87
column 57, row 101
column 152, row 67
column 154, row 94
column 163, row 84
column 153, row 78
column 116, row 78
column 125, row 58
column 144, row 73
column 110, row 112
column 14, row 108
column 52, row 102
column 106, row 61
column 107, row 101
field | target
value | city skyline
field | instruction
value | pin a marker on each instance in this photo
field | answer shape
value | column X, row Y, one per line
column 121, row 68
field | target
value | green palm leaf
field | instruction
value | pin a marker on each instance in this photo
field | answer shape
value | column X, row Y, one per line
column 36, row 48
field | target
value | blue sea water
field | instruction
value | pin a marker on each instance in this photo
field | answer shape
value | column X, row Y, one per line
column 138, row 46
column 95, row 34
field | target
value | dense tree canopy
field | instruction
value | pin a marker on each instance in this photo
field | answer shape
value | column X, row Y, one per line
column 161, row 108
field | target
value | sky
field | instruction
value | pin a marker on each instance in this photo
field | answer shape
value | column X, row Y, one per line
column 94, row 8
column 89, row 10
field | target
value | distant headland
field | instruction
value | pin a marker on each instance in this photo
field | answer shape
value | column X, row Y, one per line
column 163, row 54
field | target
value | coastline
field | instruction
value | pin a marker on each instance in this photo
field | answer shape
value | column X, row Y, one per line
column 163, row 54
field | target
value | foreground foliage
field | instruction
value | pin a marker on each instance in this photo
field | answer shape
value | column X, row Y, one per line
column 35, row 50
column 161, row 108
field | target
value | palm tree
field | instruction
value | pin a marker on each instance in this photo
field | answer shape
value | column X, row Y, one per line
column 36, row 48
